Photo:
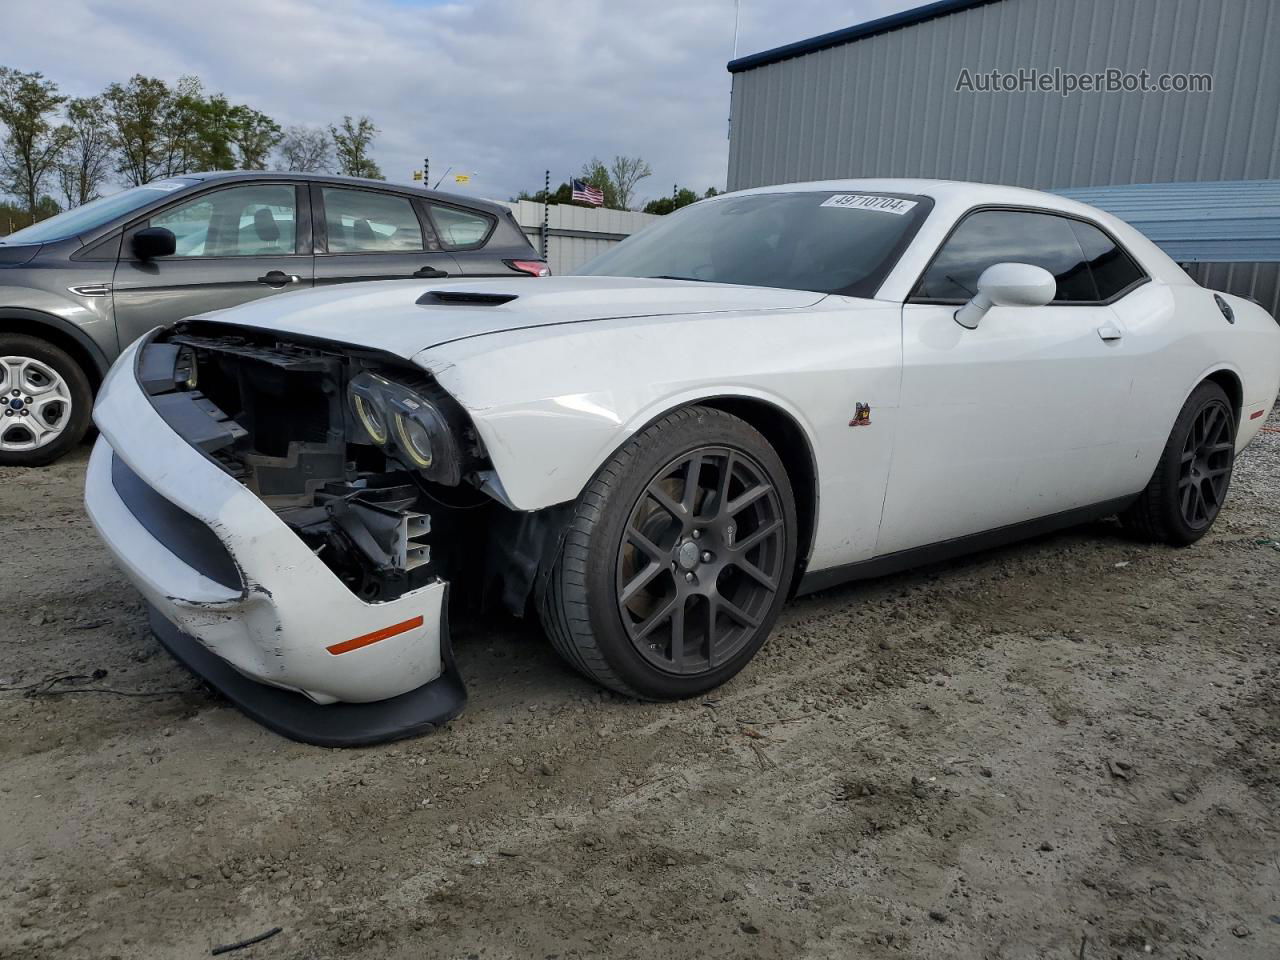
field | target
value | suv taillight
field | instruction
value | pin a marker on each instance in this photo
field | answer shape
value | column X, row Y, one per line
column 534, row 268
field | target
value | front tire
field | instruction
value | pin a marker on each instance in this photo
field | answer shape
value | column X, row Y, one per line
column 678, row 558
column 1191, row 480
column 45, row 401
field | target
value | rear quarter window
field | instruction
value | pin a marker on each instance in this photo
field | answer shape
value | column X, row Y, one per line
column 1114, row 270
column 459, row 229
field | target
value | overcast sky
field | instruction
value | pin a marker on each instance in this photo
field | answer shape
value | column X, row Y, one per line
column 500, row 89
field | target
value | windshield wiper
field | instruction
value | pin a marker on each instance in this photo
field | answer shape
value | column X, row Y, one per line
column 667, row 276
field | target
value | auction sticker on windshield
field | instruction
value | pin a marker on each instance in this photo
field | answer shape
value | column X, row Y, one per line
column 864, row 201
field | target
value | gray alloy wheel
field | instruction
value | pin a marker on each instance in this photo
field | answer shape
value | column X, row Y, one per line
column 45, row 401
column 678, row 558
column 1190, row 483
column 1205, row 467
column 36, row 402
column 701, row 560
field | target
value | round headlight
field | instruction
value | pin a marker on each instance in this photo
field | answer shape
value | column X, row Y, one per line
column 371, row 417
column 415, row 441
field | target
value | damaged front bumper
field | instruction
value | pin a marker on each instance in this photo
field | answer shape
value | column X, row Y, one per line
column 239, row 598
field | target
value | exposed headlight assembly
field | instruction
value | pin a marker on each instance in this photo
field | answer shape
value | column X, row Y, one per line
column 407, row 425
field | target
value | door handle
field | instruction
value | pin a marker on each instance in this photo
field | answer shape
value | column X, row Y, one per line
column 1109, row 331
column 429, row 273
column 277, row 278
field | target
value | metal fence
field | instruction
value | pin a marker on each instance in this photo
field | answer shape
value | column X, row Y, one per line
column 576, row 234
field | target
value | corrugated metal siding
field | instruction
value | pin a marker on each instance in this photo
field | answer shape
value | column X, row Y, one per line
column 1235, row 221
column 887, row 106
column 566, row 254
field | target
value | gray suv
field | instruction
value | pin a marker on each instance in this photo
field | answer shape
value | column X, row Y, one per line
column 77, row 288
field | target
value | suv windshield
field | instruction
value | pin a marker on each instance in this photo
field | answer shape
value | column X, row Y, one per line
column 95, row 213
column 825, row 241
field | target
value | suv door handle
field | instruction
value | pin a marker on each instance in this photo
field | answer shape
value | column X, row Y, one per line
column 277, row 278
column 1109, row 331
column 429, row 273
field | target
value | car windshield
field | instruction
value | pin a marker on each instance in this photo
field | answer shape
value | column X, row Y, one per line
column 95, row 213
column 826, row 241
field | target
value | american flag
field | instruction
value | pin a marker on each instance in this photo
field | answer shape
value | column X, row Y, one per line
column 587, row 193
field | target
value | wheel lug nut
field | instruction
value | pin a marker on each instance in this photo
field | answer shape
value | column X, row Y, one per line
column 689, row 577
column 697, row 534
column 706, row 556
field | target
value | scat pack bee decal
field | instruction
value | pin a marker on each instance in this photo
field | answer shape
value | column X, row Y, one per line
column 861, row 415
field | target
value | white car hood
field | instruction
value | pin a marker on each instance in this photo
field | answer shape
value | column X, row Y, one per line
column 383, row 315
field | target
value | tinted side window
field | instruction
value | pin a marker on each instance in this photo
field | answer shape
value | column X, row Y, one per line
column 360, row 221
column 1113, row 269
column 999, row 236
column 250, row 221
column 460, row 228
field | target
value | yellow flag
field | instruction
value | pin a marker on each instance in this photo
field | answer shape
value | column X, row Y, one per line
column 462, row 178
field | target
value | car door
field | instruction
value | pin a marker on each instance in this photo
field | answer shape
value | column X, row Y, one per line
column 374, row 235
column 1020, row 418
column 234, row 244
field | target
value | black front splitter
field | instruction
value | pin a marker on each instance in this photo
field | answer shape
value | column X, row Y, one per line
column 333, row 725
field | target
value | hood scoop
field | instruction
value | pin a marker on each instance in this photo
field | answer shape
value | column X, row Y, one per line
column 464, row 298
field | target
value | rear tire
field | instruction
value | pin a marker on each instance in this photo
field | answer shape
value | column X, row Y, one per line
column 678, row 558
column 46, row 401
column 1190, row 482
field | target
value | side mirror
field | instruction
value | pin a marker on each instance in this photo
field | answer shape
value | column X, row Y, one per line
column 1008, row 285
column 153, row 242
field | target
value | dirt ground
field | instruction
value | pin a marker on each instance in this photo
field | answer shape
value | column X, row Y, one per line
column 1064, row 749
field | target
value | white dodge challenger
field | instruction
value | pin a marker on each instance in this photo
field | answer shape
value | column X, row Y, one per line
column 768, row 392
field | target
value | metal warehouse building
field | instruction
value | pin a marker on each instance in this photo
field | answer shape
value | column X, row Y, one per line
column 902, row 96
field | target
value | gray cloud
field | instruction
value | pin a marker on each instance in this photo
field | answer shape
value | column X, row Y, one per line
column 501, row 89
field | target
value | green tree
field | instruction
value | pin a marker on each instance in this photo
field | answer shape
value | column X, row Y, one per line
column 254, row 135
column 136, row 115
column 596, row 173
column 86, row 163
column 625, row 173
column 681, row 197
column 195, row 131
column 203, row 131
column 15, row 216
column 33, row 143
column 561, row 194
column 352, row 142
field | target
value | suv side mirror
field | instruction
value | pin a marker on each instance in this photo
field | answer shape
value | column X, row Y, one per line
column 1008, row 285
column 153, row 242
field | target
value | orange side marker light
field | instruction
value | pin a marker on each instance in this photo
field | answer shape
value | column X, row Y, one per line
column 355, row 643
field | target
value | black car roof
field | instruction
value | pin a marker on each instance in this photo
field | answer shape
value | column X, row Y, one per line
column 441, row 195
